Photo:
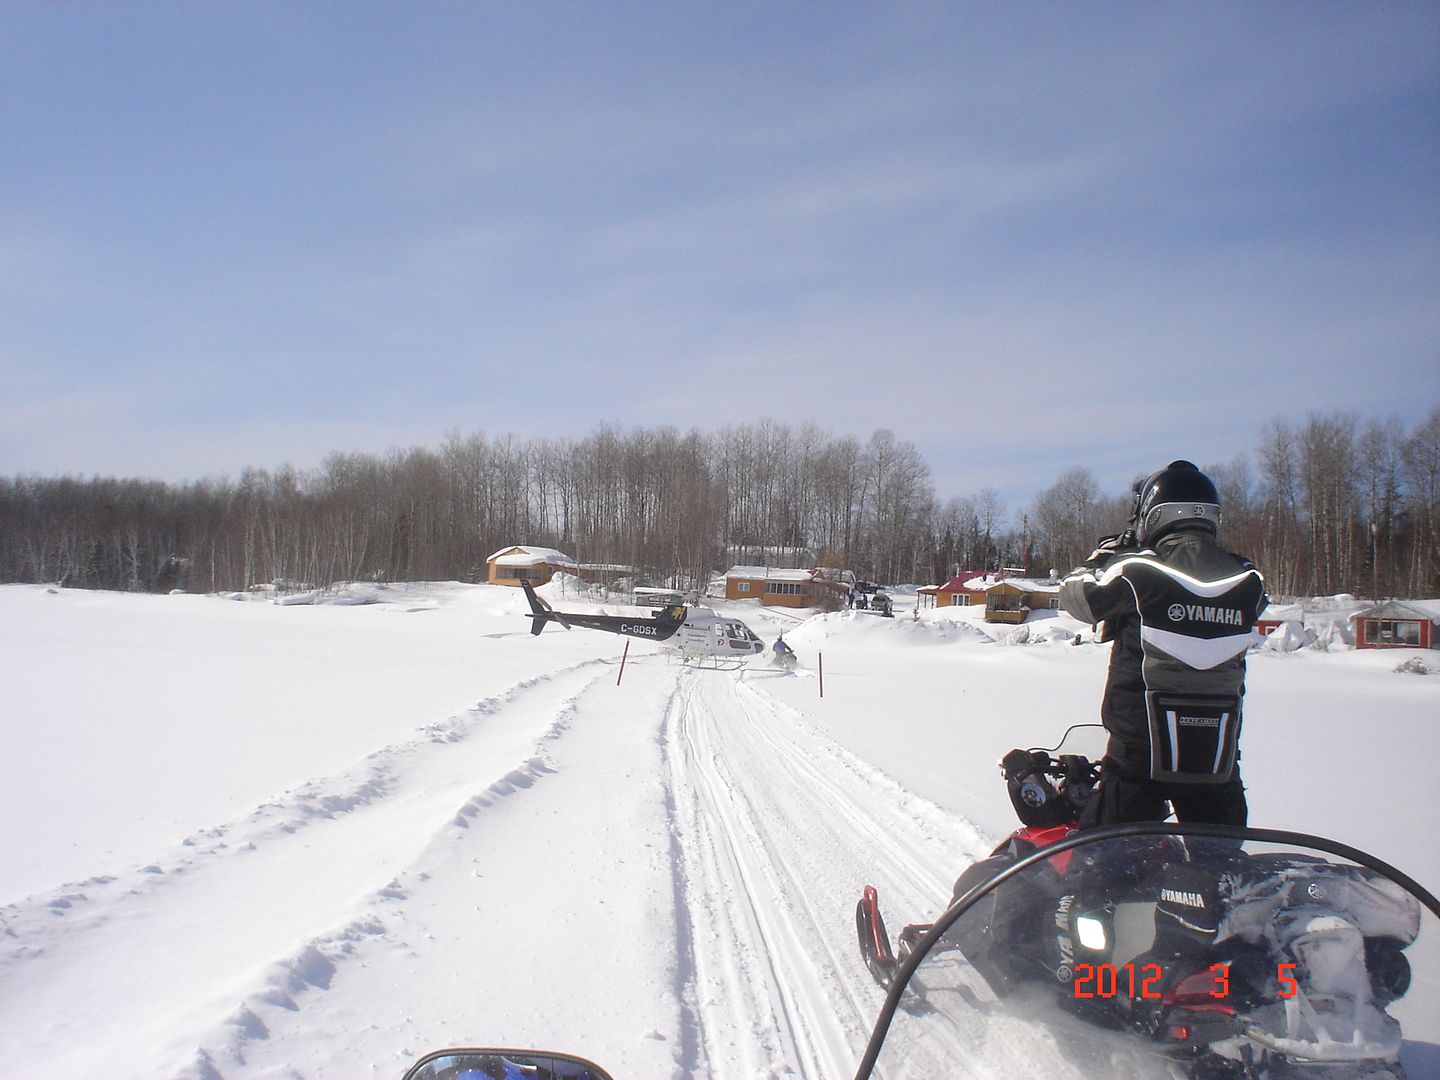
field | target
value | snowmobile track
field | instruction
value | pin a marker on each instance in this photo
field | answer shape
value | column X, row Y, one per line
column 357, row 832
column 777, row 828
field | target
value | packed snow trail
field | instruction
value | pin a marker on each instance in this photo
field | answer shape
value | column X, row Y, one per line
column 721, row 895
column 778, row 830
column 547, row 920
column 358, row 920
column 688, row 850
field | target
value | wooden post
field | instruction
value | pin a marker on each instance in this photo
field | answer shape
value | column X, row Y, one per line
column 821, row 657
column 622, row 663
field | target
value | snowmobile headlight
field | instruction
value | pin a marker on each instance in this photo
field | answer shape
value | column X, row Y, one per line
column 1034, row 794
column 1091, row 933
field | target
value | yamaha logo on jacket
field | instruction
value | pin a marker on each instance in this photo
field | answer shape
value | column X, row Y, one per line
column 1196, row 612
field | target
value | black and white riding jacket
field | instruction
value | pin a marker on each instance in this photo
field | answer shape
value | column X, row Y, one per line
column 1181, row 615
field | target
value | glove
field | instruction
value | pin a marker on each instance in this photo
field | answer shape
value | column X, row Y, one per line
column 1018, row 764
column 1109, row 547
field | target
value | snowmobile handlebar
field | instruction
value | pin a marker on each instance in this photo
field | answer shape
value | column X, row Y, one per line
column 1019, row 764
column 1046, row 789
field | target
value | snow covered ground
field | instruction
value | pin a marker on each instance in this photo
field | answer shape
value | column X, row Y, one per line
column 251, row 840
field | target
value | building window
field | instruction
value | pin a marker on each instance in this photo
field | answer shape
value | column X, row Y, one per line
column 522, row 573
column 784, row 588
column 1392, row 632
column 742, row 586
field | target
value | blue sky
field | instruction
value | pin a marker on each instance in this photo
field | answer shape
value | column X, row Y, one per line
column 1023, row 237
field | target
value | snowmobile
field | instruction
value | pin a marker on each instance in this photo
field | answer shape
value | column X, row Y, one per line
column 1140, row 951
column 1192, row 952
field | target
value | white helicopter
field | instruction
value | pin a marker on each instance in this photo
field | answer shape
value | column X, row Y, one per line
column 692, row 632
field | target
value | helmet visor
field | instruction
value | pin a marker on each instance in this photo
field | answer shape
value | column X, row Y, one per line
column 1163, row 517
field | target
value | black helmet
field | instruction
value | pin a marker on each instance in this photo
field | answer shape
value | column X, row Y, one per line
column 1178, row 495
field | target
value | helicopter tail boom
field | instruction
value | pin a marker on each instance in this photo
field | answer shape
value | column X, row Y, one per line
column 540, row 611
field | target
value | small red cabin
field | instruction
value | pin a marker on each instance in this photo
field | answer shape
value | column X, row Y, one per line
column 1397, row 624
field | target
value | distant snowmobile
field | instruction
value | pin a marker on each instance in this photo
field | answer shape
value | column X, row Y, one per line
column 783, row 656
column 692, row 632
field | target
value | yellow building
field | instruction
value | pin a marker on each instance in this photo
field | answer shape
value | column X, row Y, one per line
column 1010, row 600
column 537, row 565
column 776, row 587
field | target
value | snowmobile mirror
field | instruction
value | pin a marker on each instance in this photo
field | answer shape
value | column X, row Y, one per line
column 494, row 1063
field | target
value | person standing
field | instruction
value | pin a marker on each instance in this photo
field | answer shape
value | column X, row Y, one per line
column 1180, row 611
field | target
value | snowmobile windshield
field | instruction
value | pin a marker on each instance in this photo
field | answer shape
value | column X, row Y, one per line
column 1084, row 740
column 1173, row 951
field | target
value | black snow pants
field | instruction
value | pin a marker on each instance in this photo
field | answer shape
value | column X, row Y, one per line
column 1119, row 798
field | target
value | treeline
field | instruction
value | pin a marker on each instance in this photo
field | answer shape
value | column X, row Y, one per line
column 1331, row 505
